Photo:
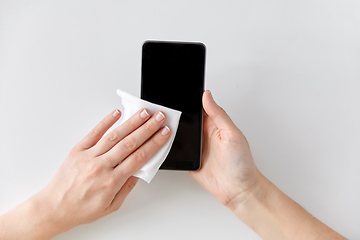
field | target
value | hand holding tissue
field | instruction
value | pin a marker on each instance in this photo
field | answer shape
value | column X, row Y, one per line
column 130, row 105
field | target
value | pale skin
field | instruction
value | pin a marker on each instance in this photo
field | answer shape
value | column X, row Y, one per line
column 96, row 177
column 229, row 173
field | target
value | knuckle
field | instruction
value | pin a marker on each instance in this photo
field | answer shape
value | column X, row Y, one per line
column 93, row 133
column 105, row 122
column 93, row 171
column 125, row 170
column 72, row 154
column 130, row 184
column 112, row 137
column 148, row 127
column 114, row 209
column 139, row 156
column 117, row 206
column 156, row 142
column 132, row 123
column 222, row 111
column 127, row 144
column 220, row 114
column 111, row 183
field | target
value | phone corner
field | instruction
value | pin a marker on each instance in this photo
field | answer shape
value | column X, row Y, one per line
column 146, row 42
column 203, row 46
column 197, row 167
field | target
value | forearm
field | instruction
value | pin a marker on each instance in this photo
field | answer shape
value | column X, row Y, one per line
column 273, row 215
column 30, row 220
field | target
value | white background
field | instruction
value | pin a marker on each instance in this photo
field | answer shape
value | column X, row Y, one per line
column 287, row 72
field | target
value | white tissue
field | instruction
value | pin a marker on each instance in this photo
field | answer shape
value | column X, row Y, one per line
column 130, row 105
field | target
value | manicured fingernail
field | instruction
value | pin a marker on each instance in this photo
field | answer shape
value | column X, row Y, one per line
column 116, row 113
column 144, row 114
column 165, row 130
column 159, row 116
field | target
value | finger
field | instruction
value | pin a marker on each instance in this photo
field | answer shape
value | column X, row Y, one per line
column 115, row 136
column 98, row 131
column 216, row 113
column 138, row 158
column 123, row 193
column 134, row 140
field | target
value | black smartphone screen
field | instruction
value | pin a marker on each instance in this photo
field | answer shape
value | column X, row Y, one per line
column 172, row 75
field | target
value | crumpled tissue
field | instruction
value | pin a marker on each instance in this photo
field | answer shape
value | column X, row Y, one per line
column 130, row 105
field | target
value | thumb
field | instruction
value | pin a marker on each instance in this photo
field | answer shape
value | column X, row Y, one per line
column 216, row 113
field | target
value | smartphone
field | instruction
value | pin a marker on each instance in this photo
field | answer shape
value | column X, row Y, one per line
column 172, row 75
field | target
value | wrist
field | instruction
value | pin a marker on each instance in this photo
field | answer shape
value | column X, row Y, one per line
column 273, row 215
column 251, row 206
column 29, row 220
column 249, row 193
column 260, row 208
column 50, row 216
column 43, row 221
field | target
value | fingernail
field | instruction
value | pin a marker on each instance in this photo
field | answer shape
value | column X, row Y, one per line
column 159, row 117
column 116, row 113
column 144, row 114
column 211, row 96
column 165, row 130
